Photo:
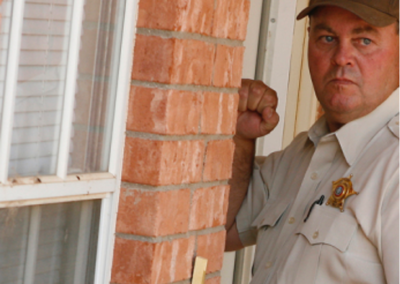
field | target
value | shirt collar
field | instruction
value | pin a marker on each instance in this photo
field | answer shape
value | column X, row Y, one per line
column 355, row 135
column 318, row 130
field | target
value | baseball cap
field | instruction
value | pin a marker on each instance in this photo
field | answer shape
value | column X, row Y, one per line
column 379, row 13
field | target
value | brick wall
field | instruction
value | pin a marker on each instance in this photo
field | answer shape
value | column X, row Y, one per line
column 178, row 153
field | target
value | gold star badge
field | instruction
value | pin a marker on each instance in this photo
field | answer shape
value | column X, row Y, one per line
column 341, row 189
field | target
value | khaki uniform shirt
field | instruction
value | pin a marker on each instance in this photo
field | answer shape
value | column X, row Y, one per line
column 359, row 245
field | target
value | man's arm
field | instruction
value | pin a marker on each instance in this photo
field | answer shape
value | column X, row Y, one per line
column 257, row 117
column 241, row 173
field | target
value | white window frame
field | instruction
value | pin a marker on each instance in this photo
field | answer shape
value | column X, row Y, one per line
column 62, row 187
column 274, row 67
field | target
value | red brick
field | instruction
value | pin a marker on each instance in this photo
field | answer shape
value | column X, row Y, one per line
column 150, row 263
column 212, row 247
column 219, row 113
column 176, row 61
column 219, row 157
column 209, row 207
column 153, row 213
column 193, row 62
column 231, row 19
column 163, row 111
column 133, row 261
column 162, row 162
column 153, row 58
column 179, row 15
column 214, row 280
column 228, row 66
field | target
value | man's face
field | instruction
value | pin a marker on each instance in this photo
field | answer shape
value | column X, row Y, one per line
column 354, row 66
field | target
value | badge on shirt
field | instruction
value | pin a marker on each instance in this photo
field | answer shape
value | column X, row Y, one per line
column 341, row 189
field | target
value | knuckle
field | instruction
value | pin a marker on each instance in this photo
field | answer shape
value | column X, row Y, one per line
column 243, row 93
column 269, row 100
column 257, row 90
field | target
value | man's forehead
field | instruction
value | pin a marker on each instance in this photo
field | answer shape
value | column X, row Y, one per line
column 362, row 28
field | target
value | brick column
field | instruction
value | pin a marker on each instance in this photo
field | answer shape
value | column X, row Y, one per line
column 178, row 154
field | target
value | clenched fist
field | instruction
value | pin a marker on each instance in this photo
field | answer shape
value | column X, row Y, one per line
column 257, row 104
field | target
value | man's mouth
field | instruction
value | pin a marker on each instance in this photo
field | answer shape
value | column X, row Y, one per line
column 342, row 81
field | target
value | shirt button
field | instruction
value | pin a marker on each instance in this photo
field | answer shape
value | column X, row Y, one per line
column 292, row 220
column 314, row 176
column 268, row 264
column 315, row 235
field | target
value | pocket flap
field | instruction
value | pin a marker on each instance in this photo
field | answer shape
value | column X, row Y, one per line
column 271, row 213
column 328, row 226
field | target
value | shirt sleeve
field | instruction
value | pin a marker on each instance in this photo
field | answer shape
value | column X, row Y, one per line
column 252, row 205
column 265, row 172
column 390, row 231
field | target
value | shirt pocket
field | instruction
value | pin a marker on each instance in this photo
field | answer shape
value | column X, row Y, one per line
column 320, row 251
column 328, row 226
column 271, row 213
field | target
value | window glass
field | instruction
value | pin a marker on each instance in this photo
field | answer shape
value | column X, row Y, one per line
column 5, row 18
column 40, row 87
column 96, row 86
column 50, row 243
column 40, row 91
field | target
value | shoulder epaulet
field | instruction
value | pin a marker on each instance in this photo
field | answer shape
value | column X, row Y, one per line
column 393, row 125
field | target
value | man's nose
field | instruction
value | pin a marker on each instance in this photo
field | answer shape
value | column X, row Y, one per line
column 343, row 54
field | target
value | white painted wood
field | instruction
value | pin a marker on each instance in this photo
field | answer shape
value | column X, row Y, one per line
column 249, row 70
column 275, row 73
column 10, row 87
column 228, row 266
column 112, row 126
column 277, row 65
column 123, row 87
column 17, row 194
column 299, row 58
column 243, row 265
column 83, row 242
column 103, row 243
column 307, row 102
column 62, row 199
column 33, row 241
column 70, row 86
column 252, row 40
column 109, row 208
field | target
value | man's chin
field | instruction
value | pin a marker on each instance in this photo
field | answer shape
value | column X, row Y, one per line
column 341, row 103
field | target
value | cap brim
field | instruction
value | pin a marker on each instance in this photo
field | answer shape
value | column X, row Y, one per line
column 370, row 15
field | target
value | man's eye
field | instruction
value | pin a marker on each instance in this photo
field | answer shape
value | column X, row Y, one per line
column 328, row 38
column 366, row 41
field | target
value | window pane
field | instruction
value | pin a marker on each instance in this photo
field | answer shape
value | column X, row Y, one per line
column 40, row 87
column 49, row 244
column 5, row 17
column 95, row 96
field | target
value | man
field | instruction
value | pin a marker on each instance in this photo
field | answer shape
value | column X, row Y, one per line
column 325, row 209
